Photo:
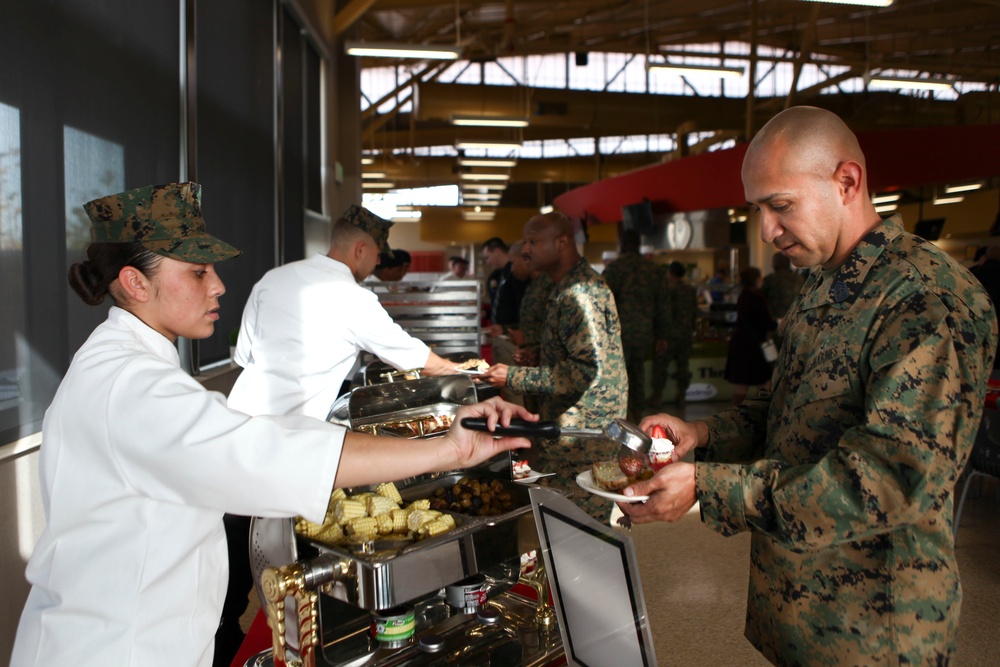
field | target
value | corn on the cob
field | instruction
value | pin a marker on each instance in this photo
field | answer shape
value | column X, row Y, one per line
column 346, row 509
column 307, row 528
column 362, row 526
column 389, row 490
column 379, row 505
column 384, row 523
column 418, row 518
column 399, row 520
column 330, row 533
column 338, row 494
column 421, row 504
column 435, row 527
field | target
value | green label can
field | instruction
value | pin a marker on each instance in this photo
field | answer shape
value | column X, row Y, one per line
column 394, row 627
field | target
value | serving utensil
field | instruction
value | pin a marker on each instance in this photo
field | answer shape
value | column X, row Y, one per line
column 631, row 440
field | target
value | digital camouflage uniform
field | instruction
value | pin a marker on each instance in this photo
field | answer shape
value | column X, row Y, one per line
column 533, row 308
column 634, row 280
column 581, row 379
column 854, row 456
column 681, row 312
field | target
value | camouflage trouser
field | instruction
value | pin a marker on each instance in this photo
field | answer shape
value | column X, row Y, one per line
column 680, row 354
column 568, row 457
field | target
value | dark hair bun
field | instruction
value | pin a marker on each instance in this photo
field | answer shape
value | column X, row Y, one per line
column 87, row 283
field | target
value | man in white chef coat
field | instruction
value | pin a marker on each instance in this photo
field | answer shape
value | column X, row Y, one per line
column 307, row 321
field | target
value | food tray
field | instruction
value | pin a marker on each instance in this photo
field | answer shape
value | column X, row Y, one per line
column 405, row 571
column 419, row 422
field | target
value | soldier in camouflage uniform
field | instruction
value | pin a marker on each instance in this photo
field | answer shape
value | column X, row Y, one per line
column 845, row 473
column 676, row 347
column 534, row 306
column 581, row 379
column 641, row 308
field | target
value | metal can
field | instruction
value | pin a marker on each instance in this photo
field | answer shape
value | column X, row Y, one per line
column 394, row 627
column 468, row 595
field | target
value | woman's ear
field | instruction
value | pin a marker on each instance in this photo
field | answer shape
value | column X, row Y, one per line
column 134, row 284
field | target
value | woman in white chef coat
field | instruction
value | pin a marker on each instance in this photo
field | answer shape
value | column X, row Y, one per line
column 139, row 462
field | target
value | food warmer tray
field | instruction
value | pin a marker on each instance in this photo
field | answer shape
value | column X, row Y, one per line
column 384, row 578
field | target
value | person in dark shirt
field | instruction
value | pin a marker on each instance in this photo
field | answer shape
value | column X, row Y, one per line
column 495, row 256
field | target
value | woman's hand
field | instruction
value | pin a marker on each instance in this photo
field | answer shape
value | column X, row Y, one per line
column 474, row 447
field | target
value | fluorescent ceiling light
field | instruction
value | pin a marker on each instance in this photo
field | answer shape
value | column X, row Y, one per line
column 885, row 199
column 508, row 145
column 388, row 50
column 910, row 84
column 476, row 195
column 886, row 208
column 484, row 177
column 545, row 209
column 968, row 187
column 377, row 185
column 489, row 121
column 715, row 70
column 373, row 174
column 367, row 160
column 488, row 203
column 863, row 3
column 477, row 187
column 939, row 201
column 479, row 215
column 486, row 162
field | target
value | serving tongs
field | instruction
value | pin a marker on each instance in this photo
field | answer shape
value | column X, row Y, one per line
column 631, row 440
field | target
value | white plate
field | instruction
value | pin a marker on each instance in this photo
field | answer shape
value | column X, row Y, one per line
column 465, row 371
column 533, row 476
column 585, row 480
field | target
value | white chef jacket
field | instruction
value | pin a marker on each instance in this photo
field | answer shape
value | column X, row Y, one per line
column 138, row 464
column 303, row 328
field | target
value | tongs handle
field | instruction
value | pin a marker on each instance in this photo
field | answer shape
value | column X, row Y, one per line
column 518, row 427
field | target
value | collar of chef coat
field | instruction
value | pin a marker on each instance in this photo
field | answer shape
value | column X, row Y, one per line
column 154, row 341
column 838, row 287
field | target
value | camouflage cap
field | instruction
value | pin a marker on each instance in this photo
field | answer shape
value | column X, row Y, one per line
column 377, row 227
column 165, row 219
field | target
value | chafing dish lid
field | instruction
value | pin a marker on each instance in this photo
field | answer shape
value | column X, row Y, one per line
column 391, row 397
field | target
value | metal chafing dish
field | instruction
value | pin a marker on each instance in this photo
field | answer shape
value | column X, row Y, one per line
column 328, row 603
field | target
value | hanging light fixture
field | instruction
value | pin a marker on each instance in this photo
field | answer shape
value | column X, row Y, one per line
column 500, row 145
column 897, row 82
column 862, row 3
column 389, row 50
column 484, row 177
column 886, row 199
column 968, row 187
column 681, row 70
column 941, row 201
column 486, row 162
column 489, row 121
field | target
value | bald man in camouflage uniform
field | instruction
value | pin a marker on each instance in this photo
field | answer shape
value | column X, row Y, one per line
column 581, row 380
column 845, row 474
column 634, row 280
